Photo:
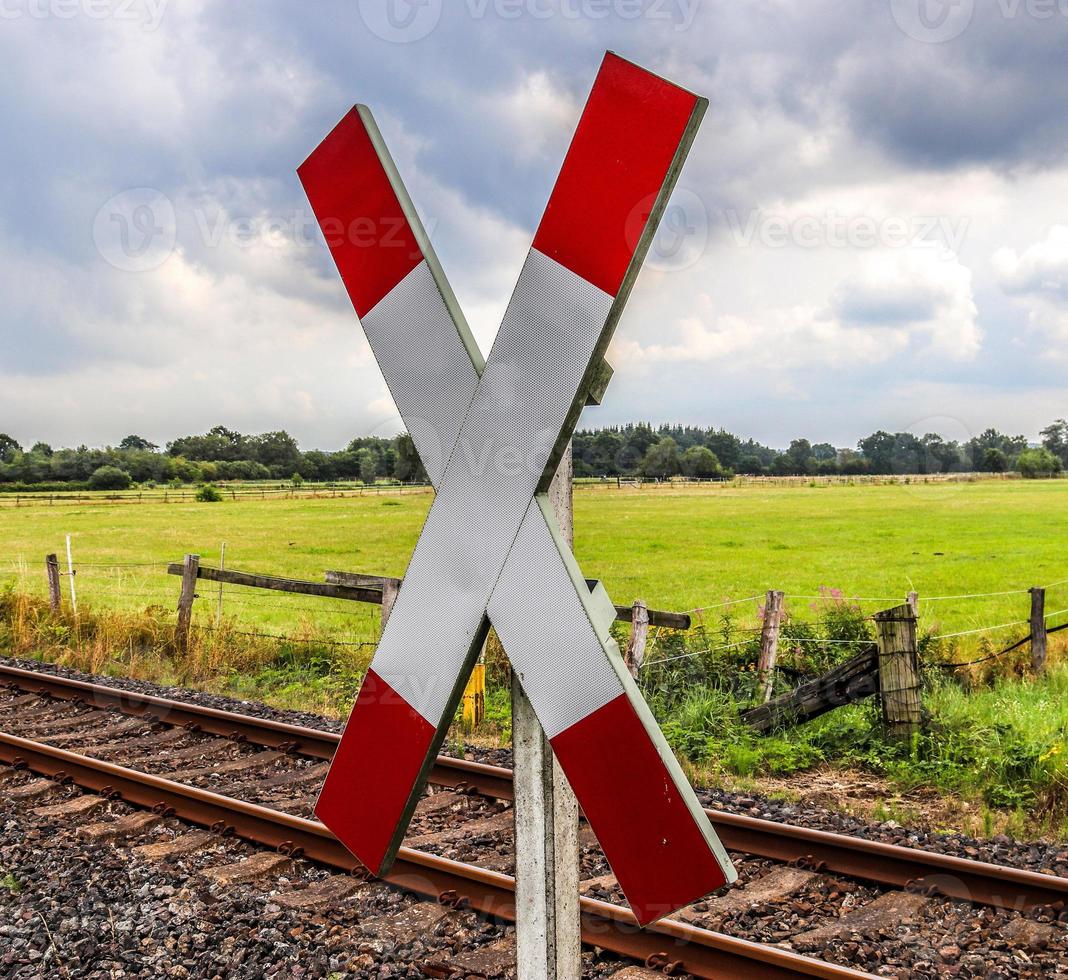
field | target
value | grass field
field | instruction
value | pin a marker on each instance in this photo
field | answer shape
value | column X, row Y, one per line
column 1000, row 745
column 676, row 548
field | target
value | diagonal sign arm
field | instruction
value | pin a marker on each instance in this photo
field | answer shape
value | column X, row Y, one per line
column 567, row 661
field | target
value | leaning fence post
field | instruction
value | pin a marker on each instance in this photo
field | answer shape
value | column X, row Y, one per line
column 899, row 671
column 769, row 643
column 390, row 588
column 190, row 568
column 639, row 633
column 1038, row 630
column 52, row 568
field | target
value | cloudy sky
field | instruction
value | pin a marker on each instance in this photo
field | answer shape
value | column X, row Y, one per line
column 870, row 232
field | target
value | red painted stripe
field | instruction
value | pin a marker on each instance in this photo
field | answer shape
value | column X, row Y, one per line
column 647, row 832
column 374, row 771
column 618, row 161
column 365, row 228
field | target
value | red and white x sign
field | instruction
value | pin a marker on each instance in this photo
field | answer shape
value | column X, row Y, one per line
column 491, row 434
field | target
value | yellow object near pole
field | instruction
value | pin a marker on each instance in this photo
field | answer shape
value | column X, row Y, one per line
column 475, row 697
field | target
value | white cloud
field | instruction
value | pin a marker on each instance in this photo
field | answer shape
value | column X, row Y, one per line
column 1038, row 277
column 1040, row 270
column 915, row 300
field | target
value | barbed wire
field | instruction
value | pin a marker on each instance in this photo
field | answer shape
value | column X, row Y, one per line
column 720, row 605
column 842, row 598
column 973, row 595
column 279, row 636
column 1000, row 626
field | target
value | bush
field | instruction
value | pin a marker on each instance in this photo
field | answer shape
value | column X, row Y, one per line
column 297, row 480
column 1035, row 463
column 207, row 494
column 109, row 478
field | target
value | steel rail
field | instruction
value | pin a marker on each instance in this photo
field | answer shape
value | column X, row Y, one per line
column 698, row 951
column 891, row 865
column 493, row 781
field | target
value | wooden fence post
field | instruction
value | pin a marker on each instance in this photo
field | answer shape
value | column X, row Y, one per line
column 390, row 588
column 913, row 599
column 769, row 644
column 639, row 634
column 899, row 671
column 1038, row 630
column 70, row 579
column 52, row 568
column 190, row 567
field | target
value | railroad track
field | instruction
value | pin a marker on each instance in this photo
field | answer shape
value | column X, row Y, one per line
column 256, row 779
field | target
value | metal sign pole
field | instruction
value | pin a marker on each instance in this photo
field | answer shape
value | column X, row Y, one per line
column 547, row 873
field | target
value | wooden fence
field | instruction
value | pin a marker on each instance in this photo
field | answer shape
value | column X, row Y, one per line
column 889, row 666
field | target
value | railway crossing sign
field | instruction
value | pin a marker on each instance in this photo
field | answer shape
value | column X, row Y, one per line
column 491, row 433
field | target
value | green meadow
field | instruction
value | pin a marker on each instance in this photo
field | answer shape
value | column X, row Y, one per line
column 677, row 548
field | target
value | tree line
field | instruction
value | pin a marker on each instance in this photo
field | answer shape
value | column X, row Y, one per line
column 220, row 454
column 641, row 449
column 671, row 450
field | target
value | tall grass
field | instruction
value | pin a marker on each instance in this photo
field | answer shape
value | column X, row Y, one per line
column 994, row 734
column 305, row 671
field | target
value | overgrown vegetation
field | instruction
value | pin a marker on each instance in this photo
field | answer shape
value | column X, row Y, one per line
column 308, row 670
column 994, row 735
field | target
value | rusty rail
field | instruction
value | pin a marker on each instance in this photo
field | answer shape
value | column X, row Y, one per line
column 697, row 951
column 886, row 864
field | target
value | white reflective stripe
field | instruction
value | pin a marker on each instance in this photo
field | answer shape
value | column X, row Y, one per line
column 425, row 363
column 537, row 609
column 532, row 377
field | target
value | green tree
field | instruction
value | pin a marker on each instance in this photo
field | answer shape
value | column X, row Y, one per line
column 994, row 461
column 368, row 465
column 798, row 456
column 109, row 478
column 878, row 449
column 8, row 448
column 1055, row 439
column 1035, row 463
column 700, row 462
column 138, row 444
column 407, row 466
column 278, row 451
column 661, row 460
